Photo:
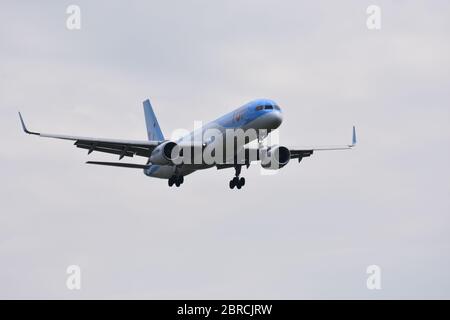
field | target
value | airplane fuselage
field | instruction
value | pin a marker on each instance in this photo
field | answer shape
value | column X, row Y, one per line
column 259, row 115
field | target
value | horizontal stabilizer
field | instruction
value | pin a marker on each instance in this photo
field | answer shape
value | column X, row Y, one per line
column 119, row 164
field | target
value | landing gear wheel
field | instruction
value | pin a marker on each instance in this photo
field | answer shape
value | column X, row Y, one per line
column 237, row 181
column 176, row 180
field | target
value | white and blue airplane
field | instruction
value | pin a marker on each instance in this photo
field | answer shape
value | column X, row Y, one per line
column 261, row 115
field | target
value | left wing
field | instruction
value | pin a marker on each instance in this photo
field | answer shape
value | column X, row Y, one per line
column 123, row 148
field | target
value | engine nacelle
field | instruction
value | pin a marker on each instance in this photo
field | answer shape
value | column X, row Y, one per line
column 276, row 157
column 165, row 153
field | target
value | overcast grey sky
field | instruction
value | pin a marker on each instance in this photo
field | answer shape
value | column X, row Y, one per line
column 309, row 231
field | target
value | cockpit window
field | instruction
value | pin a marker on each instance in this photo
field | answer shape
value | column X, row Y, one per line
column 268, row 107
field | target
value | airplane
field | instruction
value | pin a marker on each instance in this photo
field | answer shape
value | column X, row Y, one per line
column 163, row 156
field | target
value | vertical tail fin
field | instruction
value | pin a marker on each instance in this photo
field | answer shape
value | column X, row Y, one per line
column 153, row 130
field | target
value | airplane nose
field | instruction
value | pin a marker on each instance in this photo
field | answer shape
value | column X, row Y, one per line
column 275, row 119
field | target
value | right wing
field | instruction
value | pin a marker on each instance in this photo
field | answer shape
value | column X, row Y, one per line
column 254, row 154
column 123, row 148
column 301, row 152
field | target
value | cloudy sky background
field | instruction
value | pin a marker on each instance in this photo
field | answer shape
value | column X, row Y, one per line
column 309, row 231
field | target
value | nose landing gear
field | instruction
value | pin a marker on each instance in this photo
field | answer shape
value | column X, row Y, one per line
column 236, row 181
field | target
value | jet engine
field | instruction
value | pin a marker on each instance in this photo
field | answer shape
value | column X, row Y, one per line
column 165, row 153
column 275, row 157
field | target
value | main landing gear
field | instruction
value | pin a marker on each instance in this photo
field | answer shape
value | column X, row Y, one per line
column 236, row 181
column 176, row 180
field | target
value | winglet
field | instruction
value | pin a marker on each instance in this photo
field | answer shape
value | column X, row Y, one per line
column 354, row 137
column 24, row 127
